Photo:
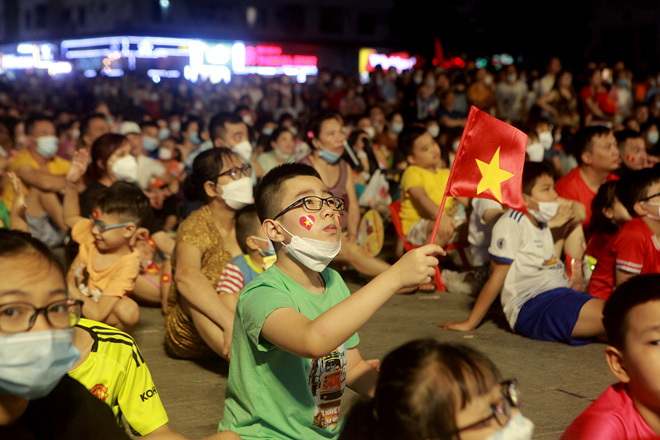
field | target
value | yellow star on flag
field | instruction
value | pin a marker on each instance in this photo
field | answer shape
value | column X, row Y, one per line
column 492, row 176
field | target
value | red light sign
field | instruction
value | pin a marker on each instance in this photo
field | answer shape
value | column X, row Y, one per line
column 273, row 56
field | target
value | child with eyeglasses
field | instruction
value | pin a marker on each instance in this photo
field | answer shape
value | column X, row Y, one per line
column 295, row 346
column 432, row 390
column 635, row 249
column 37, row 398
column 104, row 272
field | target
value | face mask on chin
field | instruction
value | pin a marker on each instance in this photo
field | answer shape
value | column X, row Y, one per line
column 313, row 254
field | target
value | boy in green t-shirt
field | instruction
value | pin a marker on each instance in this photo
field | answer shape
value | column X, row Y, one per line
column 294, row 344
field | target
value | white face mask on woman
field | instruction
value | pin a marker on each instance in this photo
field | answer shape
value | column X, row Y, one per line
column 313, row 254
column 237, row 194
column 125, row 168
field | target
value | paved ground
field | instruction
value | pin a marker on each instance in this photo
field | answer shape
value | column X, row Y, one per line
column 558, row 381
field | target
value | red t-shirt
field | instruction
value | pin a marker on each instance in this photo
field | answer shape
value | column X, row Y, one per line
column 597, row 243
column 634, row 249
column 573, row 187
column 611, row 417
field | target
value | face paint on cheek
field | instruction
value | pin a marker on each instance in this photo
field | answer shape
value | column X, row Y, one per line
column 307, row 221
column 151, row 242
column 630, row 158
column 95, row 214
column 339, row 220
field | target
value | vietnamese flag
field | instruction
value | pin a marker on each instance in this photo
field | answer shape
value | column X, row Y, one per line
column 489, row 162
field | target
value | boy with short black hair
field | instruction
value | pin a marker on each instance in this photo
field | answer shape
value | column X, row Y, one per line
column 107, row 265
column 628, row 410
column 258, row 253
column 422, row 187
column 536, row 297
column 294, row 342
column 635, row 249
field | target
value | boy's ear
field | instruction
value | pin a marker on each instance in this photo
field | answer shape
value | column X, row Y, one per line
column 529, row 203
column 640, row 209
column 273, row 231
column 129, row 230
column 252, row 243
column 617, row 364
column 411, row 159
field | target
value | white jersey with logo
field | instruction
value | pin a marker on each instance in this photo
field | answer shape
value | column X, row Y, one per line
column 479, row 232
column 530, row 251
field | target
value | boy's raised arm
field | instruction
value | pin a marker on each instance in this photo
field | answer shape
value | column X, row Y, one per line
column 486, row 297
column 71, row 203
column 292, row 331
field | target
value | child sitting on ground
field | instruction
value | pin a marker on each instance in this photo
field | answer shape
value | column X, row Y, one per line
column 628, row 410
column 607, row 215
column 107, row 265
column 258, row 253
column 536, row 297
column 635, row 249
column 294, row 342
column 112, row 368
column 422, row 187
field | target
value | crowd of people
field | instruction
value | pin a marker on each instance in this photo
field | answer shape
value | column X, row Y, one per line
column 236, row 208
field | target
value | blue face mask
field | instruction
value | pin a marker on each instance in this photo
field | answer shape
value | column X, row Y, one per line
column 148, row 143
column 194, row 138
column 268, row 131
column 32, row 363
column 164, row 133
column 268, row 252
column 47, row 146
column 329, row 156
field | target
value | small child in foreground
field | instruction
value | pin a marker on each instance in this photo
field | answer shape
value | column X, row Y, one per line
column 294, row 345
column 629, row 409
column 104, row 272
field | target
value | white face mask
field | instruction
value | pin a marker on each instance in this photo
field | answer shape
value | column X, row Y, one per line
column 47, row 146
column 238, row 194
column 546, row 139
column 313, row 254
column 282, row 155
column 164, row 153
column 535, row 152
column 434, row 131
column 125, row 168
column 244, row 150
column 546, row 212
column 371, row 132
column 518, row 428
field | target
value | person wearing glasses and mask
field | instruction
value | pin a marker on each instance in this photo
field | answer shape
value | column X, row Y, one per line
column 104, row 272
column 432, row 390
column 37, row 398
column 295, row 331
column 199, row 321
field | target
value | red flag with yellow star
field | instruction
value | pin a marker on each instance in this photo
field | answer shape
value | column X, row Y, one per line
column 489, row 162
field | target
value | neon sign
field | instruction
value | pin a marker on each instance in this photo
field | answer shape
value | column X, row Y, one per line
column 273, row 56
column 401, row 61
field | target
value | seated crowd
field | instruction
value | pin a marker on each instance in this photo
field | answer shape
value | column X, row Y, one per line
column 236, row 209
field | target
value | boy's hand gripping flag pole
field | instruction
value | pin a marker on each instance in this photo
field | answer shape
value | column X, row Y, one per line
column 488, row 164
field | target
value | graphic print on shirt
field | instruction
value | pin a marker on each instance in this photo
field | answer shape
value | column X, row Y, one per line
column 100, row 391
column 82, row 281
column 327, row 379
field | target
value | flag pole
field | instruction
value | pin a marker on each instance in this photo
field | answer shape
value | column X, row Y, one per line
column 442, row 207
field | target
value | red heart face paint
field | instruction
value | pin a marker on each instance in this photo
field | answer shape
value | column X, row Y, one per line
column 95, row 214
column 307, row 221
column 630, row 158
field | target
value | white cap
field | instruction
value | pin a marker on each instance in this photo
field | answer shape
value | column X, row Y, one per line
column 128, row 127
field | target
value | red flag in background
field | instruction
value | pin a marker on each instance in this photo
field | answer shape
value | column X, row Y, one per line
column 489, row 161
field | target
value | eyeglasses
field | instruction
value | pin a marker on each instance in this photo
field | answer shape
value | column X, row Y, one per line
column 235, row 173
column 102, row 227
column 501, row 411
column 314, row 203
column 20, row 317
column 649, row 197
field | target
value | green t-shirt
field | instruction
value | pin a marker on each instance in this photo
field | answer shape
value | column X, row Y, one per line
column 272, row 393
column 4, row 216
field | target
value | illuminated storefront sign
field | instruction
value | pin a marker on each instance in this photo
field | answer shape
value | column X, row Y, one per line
column 370, row 58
